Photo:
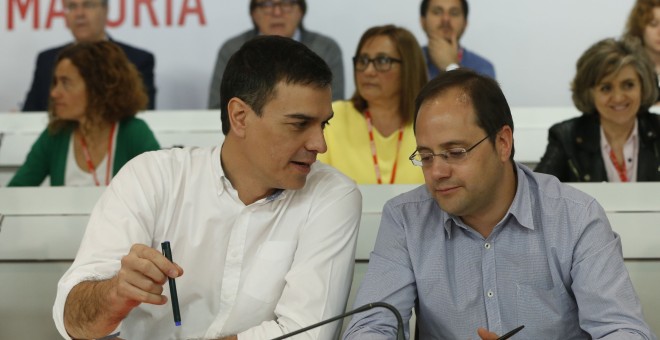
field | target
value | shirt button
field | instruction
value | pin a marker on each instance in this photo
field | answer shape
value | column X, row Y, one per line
column 487, row 245
column 490, row 293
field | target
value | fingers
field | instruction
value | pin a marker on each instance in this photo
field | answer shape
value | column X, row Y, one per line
column 142, row 275
column 484, row 334
column 454, row 40
column 136, row 295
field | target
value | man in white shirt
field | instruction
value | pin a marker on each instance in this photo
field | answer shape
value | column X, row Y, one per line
column 264, row 234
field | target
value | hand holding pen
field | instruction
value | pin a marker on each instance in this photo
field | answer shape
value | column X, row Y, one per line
column 140, row 279
column 143, row 273
column 484, row 334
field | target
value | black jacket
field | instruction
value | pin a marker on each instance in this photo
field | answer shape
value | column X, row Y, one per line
column 39, row 94
column 574, row 154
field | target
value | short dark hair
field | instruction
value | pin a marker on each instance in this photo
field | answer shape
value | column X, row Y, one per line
column 115, row 90
column 301, row 3
column 424, row 8
column 489, row 104
column 254, row 71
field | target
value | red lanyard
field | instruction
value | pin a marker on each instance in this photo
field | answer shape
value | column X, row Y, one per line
column 460, row 55
column 374, row 154
column 620, row 168
column 88, row 157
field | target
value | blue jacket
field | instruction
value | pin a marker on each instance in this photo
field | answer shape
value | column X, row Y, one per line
column 39, row 94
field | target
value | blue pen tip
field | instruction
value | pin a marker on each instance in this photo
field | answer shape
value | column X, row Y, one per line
column 177, row 323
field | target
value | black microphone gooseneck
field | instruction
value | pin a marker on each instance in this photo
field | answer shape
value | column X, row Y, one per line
column 399, row 320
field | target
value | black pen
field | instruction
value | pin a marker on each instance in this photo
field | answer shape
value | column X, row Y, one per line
column 510, row 334
column 175, row 299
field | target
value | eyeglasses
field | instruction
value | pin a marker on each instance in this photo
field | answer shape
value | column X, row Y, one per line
column 382, row 63
column 86, row 5
column 268, row 7
column 451, row 156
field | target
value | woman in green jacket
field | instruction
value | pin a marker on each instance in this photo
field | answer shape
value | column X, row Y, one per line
column 93, row 132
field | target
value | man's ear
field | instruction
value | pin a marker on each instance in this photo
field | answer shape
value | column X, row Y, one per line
column 504, row 143
column 238, row 111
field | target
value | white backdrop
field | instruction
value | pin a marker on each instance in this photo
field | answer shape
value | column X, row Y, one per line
column 533, row 44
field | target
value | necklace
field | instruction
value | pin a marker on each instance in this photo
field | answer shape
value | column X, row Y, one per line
column 374, row 153
column 88, row 157
column 620, row 168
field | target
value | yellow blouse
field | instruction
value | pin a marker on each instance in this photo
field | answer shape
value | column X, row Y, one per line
column 349, row 149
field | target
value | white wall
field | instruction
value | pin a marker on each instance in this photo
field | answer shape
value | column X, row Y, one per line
column 533, row 44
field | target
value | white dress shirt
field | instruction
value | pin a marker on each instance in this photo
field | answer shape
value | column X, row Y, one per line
column 259, row 271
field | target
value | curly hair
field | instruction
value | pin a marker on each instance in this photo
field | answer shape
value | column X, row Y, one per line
column 115, row 90
column 607, row 57
column 413, row 68
column 640, row 16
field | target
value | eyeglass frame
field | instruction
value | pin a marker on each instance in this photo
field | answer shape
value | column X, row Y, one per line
column 268, row 6
column 389, row 60
column 85, row 5
column 450, row 156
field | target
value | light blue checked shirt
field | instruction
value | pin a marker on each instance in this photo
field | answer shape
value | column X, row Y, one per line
column 552, row 264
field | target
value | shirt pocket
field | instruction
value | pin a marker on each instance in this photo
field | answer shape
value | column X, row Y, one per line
column 265, row 279
column 546, row 311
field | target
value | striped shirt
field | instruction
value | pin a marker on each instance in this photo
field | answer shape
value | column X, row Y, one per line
column 552, row 264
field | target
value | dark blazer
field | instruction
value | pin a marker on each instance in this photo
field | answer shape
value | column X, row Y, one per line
column 574, row 155
column 37, row 98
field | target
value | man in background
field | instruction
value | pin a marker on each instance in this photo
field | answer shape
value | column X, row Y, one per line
column 444, row 22
column 86, row 19
column 283, row 18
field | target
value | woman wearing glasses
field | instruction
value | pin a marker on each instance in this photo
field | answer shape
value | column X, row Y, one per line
column 371, row 135
column 616, row 139
column 95, row 94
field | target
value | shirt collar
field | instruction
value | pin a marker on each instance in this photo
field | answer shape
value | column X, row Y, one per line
column 604, row 145
column 224, row 185
column 521, row 207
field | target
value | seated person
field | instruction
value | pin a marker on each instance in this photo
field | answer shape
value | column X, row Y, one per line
column 263, row 237
column 616, row 139
column 96, row 93
column 371, row 135
column 488, row 245
column 283, row 18
column 86, row 19
column 444, row 22
column 644, row 24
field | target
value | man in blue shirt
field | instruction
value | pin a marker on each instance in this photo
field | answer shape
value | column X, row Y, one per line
column 444, row 22
column 86, row 19
column 488, row 245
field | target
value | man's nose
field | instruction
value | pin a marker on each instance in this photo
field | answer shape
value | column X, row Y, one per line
column 277, row 9
column 316, row 142
column 439, row 168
